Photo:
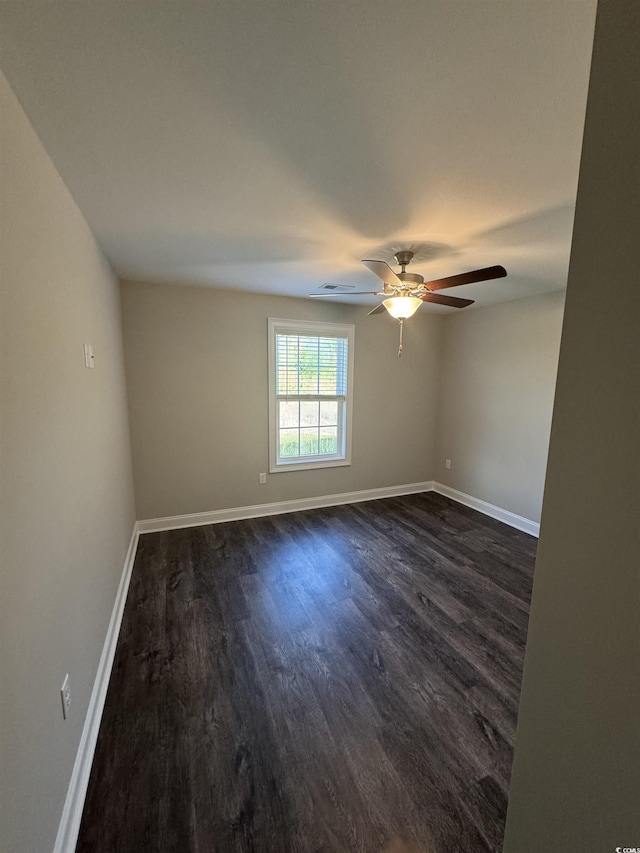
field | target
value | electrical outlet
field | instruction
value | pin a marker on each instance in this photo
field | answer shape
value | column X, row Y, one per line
column 65, row 695
column 447, row 463
column 262, row 479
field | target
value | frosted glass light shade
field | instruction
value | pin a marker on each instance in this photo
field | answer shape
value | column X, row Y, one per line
column 402, row 307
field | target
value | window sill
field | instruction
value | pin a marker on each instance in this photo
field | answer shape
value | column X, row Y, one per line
column 283, row 467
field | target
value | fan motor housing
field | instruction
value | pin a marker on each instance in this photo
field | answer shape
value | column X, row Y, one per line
column 410, row 278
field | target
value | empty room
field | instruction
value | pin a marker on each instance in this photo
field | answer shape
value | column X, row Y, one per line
column 319, row 417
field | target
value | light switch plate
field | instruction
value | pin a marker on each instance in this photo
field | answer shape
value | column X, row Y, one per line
column 65, row 695
column 88, row 355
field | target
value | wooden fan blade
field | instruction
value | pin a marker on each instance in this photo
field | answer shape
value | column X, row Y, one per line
column 377, row 310
column 451, row 301
column 383, row 271
column 485, row 274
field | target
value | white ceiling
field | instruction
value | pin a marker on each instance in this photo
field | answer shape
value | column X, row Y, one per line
column 269, row 145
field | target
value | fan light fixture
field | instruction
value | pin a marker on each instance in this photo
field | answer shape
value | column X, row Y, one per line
column 402, row 307
column 406, row 291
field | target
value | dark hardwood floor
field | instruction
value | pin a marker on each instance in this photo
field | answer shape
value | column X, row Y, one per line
column 321, row 681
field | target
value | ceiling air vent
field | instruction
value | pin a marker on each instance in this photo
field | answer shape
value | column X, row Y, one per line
column 338, row 288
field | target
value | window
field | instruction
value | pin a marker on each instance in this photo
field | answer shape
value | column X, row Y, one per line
column 310, row 387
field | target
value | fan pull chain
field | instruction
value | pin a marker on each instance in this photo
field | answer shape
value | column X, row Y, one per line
column 401, row 321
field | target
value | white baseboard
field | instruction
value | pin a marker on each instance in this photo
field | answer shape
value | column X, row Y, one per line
column 216, row 516
column 510, row 518
column 74, row 803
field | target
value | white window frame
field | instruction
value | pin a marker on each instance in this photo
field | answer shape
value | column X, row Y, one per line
column 319, row 329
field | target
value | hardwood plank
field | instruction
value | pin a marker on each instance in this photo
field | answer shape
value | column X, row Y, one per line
column 327, row 680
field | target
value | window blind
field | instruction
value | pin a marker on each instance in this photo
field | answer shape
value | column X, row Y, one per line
column 309, row 365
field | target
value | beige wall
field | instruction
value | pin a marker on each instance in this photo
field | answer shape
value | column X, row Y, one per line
column 576, row 776
column 497, row 383
column 66, row 503
column 197, row 382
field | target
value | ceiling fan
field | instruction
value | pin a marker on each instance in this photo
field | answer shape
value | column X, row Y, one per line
column 405, row 292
